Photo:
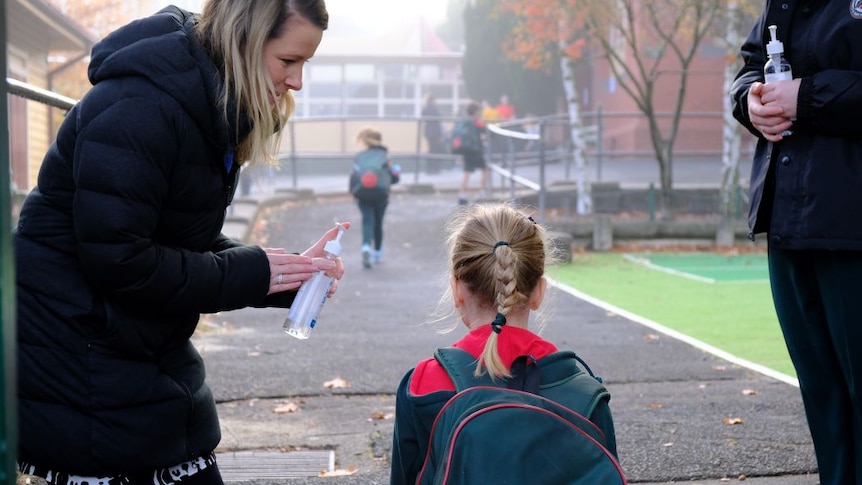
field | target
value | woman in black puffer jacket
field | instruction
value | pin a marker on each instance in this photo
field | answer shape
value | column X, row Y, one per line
column 119, row 247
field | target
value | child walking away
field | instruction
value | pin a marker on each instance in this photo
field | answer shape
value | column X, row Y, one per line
column 370, row 182
column 467, row 142
column 501, row 405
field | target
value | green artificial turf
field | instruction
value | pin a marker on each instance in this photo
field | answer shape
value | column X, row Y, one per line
column 735, row 316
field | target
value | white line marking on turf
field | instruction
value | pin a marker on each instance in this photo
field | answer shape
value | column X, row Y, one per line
column 677, row 335
column 648, row 264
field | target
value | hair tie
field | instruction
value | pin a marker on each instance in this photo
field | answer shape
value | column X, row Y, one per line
column 500, row 243
column 499, row 321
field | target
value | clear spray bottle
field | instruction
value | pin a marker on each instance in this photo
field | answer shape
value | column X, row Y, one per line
column 776, row 68
column 311, row 296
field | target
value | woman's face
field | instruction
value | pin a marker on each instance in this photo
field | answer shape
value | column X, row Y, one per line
column 284, row 56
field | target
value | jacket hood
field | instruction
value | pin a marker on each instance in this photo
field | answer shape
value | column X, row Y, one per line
column 163, row 49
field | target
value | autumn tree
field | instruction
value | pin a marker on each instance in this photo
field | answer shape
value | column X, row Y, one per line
column 651, row 45
column 548, row 32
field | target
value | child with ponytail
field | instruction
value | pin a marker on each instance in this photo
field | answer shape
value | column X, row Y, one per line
column 497, row 259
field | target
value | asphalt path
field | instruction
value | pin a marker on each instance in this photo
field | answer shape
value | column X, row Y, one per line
column 681, row 415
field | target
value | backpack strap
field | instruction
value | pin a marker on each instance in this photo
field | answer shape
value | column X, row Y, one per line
column 461, row 365
column 558, row 375
column 526, row 375
column 563, row 381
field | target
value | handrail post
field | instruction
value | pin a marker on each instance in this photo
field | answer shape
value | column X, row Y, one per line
column 542, row 171
column 600, row 134
column 419, row 126
column 293, row 168
column 8, row 378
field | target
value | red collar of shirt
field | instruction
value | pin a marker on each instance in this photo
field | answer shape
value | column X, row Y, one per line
column 429, row 376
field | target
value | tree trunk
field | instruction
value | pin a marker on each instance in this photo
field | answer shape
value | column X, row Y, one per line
column 585, row 200
column 731, row 131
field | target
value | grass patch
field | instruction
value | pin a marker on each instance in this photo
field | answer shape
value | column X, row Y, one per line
column 738, row 317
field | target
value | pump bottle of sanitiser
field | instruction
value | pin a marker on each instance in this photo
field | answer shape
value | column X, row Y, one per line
column 776, row 68
column 311, row 296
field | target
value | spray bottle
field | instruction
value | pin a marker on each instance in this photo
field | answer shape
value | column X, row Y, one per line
column 311, row 296
column 776, row 68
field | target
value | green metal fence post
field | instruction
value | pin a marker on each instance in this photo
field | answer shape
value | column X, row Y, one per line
column 8, row 383
column 651, row 201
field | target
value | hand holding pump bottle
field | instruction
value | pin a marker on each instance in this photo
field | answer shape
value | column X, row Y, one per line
column 311, row 296
column 776, row 68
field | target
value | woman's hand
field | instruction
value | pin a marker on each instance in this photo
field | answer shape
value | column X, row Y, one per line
column 772, row 107
column 332, row 268
column 288, row 271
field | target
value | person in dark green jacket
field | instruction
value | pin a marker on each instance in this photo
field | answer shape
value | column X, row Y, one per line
column 806, row 191
column 119, row 246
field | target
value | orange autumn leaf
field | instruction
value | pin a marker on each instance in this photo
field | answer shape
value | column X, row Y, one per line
column 338, row 473
column 286, row 408
column 337, row 383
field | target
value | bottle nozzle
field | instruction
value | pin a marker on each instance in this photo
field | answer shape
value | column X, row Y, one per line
column 334, row 246
column 774, row 46
column 341, row 230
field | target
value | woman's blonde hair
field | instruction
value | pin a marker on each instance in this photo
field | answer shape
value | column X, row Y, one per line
column 499, row 254
column 234, row 33
column 369, row 136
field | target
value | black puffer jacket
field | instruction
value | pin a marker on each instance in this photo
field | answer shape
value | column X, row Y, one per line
column 118, row 252
column 806, row 190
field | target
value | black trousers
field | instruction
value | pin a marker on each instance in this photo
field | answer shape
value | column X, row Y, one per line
column 818, row 299
column 372, row 220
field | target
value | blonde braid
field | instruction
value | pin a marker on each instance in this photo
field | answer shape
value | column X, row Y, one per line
column 507, row 297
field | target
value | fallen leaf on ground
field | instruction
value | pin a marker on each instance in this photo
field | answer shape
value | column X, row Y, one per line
column 748, row 392
column 339, row 473
column 379, row 415
column 337, row 383
column 289, row 407
column 656, row 405
column 651, row 336
column 732, row 421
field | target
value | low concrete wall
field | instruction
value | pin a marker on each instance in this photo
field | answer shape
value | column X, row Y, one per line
column 611, row 198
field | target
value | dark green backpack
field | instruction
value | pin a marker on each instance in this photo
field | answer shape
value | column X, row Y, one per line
column 465, row 137
column 531, row 429
column 371, row 176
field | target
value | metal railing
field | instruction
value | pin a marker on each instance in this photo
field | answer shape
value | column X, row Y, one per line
column 8, row 373
column 43, row 96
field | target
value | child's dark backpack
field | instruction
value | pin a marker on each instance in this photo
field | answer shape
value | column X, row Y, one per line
column 464, row 137
column 371, row 174
column 534, row 431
